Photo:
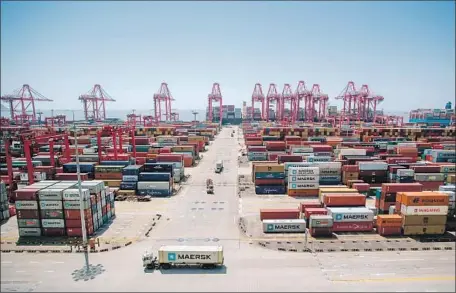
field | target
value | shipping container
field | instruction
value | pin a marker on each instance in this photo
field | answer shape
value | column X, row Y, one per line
column 302, row 178
column 284, row 226
column 365, row 226
column 423, row 198
column 154, row 185
column 320, row 221
column 314, row 211
column 423, row 230
column 270, row 189
column 304, row 185
column 424, row 220
column 29, row 232
column 424, row 210
column 389, row 230
column 356, row 214
column 279, row 214
column 344, row 200
column 309, row 204
column 389, row 220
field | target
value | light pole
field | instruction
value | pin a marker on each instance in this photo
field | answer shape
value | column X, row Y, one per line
column 81, row 204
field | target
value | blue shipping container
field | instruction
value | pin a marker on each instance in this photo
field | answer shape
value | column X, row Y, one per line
column 154, row 192
column 128, row 185
column 269, row 175
column 159, row 167
column 330, row 178
column 83, row 167
column 270, row 189
column 328, row 182
column 132, row 170
column 154, row 176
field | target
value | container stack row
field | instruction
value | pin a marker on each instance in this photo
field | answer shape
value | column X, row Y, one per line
column 4, row 204
column 52, row 208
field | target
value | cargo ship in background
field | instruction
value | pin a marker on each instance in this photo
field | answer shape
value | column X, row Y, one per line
column 230, row 115
column 433, row 117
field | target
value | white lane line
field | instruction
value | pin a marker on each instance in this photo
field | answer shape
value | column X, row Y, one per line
column 383, row 274
column 48, row 271
column 32, row 261
column 426, row 268
column 57, row 262
column 20, row 271
column 5, row 262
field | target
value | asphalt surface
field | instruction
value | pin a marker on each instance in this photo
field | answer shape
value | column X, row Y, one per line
column 196, row 218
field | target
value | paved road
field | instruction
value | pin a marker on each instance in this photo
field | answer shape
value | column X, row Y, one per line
column 198, row 218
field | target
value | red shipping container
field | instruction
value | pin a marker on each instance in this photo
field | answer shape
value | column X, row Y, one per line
column 309, row 204
column 141, row 160
column 401, row 160
column 321, row 147
column 321, row 231
column 27, row 214
column 49, row 170
column 289, row 158
column 76, row 214
column 77, row 223
column 269, row 181
column 27, row 194
column 353, row 226
column 315, row 211
column 361, row 187
column 426, row 169
column 401, row 187
column 253, row 148
column 344, row 200
column 289, row 138
column 350, row 168
column 279, row 214
column 389, row 231
column 431, row 185
column 393, row 169
column 54, row 232
column 170, row 158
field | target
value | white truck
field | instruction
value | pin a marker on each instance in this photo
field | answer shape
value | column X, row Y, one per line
column 219, row 167
column 207, row 257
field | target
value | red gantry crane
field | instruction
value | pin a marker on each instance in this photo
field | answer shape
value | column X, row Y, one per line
column 287, row 97
column 94, row 103
column 367, row 105
column 350, row 97
column 321, row 100
column 303, row 94
column 215, row 96
column 163, row 95
column 273, row 97
column 22, row 104
column 258, row 96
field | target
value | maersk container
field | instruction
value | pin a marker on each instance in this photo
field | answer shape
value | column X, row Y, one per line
column 269, row 175
column 315, row 171
column 130, row 178
column 196, row 255
column 284, row 226
column 26, row 205
column 154, row 176
column 154, row 192
column 51, row 194
column 160, row 185
column 357, row 214
column 75, row 204
column 304, row 185
column 94, row 186
column 50, row 205
column 270, row 189
column 129, row 185
column 302, row 178
column 315, row 159
column 73, row 194
column 53, row 223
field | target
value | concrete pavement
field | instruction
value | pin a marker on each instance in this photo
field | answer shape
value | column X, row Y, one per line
column 196, row 218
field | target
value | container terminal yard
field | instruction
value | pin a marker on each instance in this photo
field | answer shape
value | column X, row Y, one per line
column 352, row 199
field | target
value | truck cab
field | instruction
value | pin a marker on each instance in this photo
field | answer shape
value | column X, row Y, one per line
column 219, row 166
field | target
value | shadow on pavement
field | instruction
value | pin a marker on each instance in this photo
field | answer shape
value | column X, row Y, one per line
column 85, row 275
column 222, row 270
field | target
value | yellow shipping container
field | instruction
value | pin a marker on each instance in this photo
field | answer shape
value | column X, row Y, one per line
column 327, row 190
column 196, row 138
column 112, row 183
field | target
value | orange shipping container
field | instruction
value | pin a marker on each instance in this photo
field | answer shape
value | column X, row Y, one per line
column 303, row 192
column 188, row 161
column 344, row 200
column 424, row 199
column 389, row 221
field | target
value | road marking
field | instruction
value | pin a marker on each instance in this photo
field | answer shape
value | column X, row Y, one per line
column 57, row 262
column 32, row 261
column 48, row 271
column 411, row 279
column 5, row 262
column 383, row 274
column 20, row 271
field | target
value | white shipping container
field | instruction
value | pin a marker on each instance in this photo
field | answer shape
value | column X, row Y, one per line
column 373, row 166
column 73, row 194
column 166, row 139
column 405, row 173
column 94, row 186
column 406, row 145
column 51, row 205
column 304, row 185
column 50, row 194
column 53, row 223
column 329, row 165
column 301, row 150
column 360, row 214
column 190, row 255
column 301, row 179
column 88, row 151
column 28, row 223
column 31, row 232
column 74, row 204
column 424, row 210
column 99, row 207
column 130, row 178
column 320, row 221
column 352, row 152
column 26, row 205
column 153, row 185
column 429, row 177
column 447, row 188
column 304, row 171
column 282, row 226
column 448, row 169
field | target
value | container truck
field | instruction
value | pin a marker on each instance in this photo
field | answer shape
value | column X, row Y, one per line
column 218, row 167
column 207, row 257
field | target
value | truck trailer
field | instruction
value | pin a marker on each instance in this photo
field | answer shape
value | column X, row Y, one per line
column 207, row 257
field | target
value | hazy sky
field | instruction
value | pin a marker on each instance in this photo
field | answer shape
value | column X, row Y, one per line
column 403, row 51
